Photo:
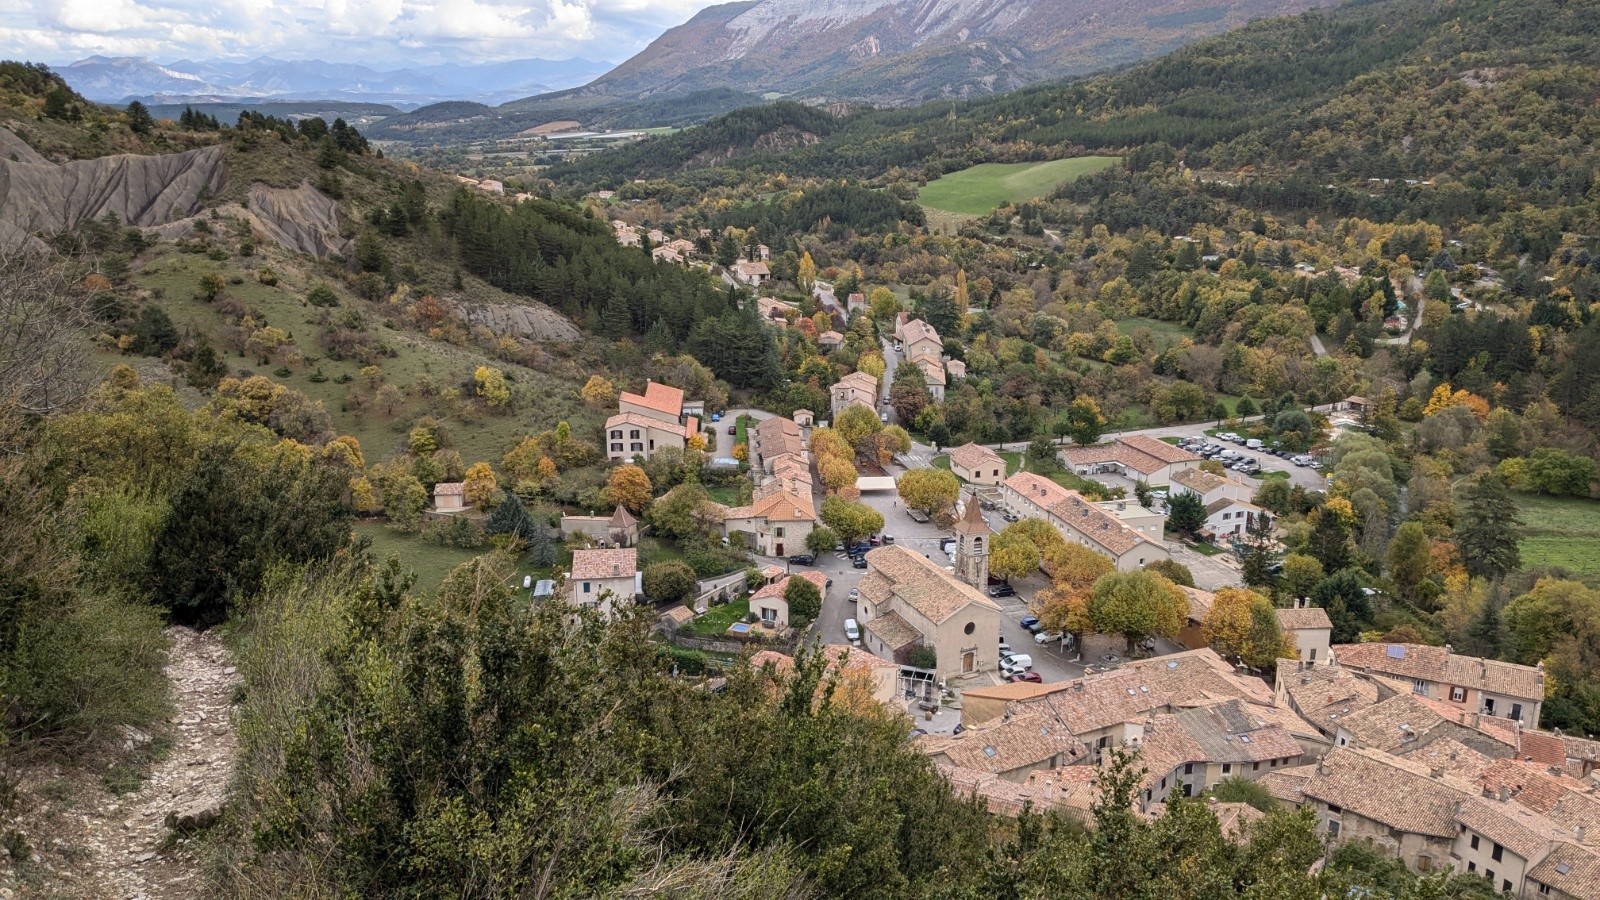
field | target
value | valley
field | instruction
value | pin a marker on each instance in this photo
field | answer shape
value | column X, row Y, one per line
column 488, row 500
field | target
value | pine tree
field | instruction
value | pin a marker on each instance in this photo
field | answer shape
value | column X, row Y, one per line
column 139, row 119
column 1488, row 530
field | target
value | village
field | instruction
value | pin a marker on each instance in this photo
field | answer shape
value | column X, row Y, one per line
column 1435, row 756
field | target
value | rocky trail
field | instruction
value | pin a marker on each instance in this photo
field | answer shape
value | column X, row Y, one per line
column 133, row 846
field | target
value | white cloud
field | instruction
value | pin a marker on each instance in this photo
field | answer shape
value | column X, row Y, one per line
column 384, row 33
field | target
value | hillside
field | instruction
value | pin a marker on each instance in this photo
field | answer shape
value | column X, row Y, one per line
column 1275, row 94
column 897, row 52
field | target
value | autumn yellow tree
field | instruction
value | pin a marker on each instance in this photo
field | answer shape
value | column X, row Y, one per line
column 629, row 487
column 871, row 363
column 491, row 386
column 1443, row 398
column 1243, row 624
column 1012, row 555
column 806, row 276
column 932, row 491
column 480, row 486
column 598, row 392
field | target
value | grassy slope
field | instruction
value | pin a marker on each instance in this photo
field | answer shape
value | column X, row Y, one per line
column 1561, row 532
column 980, row 189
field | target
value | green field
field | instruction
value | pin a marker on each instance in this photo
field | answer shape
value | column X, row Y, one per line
column 979, row 190
column 1562, row 532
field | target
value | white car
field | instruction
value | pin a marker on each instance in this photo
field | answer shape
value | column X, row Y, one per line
column 852, row 631
column 1016, row 665
column 1047, row 637
column 855, row 594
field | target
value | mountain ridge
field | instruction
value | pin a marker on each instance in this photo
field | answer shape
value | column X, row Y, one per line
column 119, row 79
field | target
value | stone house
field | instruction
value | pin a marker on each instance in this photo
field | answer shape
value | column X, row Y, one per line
column 449, row 497
column 1469, row 683
column 907, row 600
column 770, row 605
column 648, row 422
column 1311, row 629
column 855, row 389
column 775, row 525
column 1081, row 520
column 1211, row 488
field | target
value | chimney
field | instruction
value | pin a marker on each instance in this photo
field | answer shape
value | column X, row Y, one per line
column 616, row 570
column 1448, row 649
column 1436, row 772
column 1577, row 833
column 1322, row 764
column 1505, row 793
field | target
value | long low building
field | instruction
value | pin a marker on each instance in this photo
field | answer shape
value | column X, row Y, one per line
column 1083, row 521
column 1136, row 456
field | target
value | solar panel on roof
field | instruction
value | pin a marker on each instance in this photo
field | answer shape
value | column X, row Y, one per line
column 1563, row 868
column 1396, row 651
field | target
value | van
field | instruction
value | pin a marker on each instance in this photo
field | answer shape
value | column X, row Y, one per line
column 1254, row 444
column 1015, row 663
column 853, row 632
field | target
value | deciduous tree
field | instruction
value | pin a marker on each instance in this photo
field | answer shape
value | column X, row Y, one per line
column 630, row 487
column 479, row 486
column 849, row 519
column 1136, row 605
column 932, row 491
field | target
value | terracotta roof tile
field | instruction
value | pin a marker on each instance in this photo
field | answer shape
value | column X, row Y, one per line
column 923, row 586
column 1521, row 830
column 1442, row 666
column 977, row 456
column 1304, row 617
column 658, row 397
column 1006, row 745
column 449, row 489
column 1571, row 869
column 1326, row 695
column 639, row 420
column 893, row 630
column 1389, row 790
column 1070, row 790
column 604, row 563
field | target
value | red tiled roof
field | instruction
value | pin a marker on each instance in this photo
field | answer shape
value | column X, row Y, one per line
column 658, row 397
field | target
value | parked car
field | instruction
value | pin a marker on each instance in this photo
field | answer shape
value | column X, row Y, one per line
column 1031, row 623
column 716, row 417
column 852, row 631
column 1016, row 664
column 1002, row 590
column 917, row 515
column 855, row 594
column 860, row 562
column 1047, row 637
column 802, row 559
column 884, row 416
column 859, row 547
column 1005, row 648
column 1033, row 677
column 874, row 540
column 1010, row 516
column 733, row 429
column 1254, row 444
column 888, row 539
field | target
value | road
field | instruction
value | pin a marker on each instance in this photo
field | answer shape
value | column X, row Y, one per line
column 891, row 359
column 725, row 441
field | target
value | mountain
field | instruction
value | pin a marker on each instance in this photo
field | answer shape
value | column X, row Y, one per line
column 898, row 52
column 118, row 79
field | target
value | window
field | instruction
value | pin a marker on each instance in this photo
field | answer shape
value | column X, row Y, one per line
column 1488, row 705
column 1458, row 694
column 779, row 531
column 636, row 446
column 971, row 627
column 1543, row 888
column 586, row 587
column 1472, row 867
column 634, row 434
column 1474, row 842
column 1188, row 789
column 1333, row 829
column 616, row 448
column 1313, row 657
column 1516, row 710
column 1188, row 768
column 1335, row 809
column 1418, row 686
column 616, row 433
column 1163, row 784
column 1227, row 768
column 1489, row 874
column 1505, row 886
column 1255, row 767
column 1497, row 852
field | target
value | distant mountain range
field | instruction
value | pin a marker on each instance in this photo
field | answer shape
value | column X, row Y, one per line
column 120, row 79
column 898, row 52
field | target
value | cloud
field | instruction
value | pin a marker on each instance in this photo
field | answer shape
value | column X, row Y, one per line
column 383, row 33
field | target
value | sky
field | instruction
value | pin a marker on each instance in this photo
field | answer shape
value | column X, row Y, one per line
column 376, row 33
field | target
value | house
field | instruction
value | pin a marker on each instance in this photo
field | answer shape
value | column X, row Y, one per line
column 1010, row 749
column 1103, row 710
column 829, row 341
column 955, row 368
column 770, row 603
column 1136, row 456
column 1325, row 695
column 750, row 273
column 932, row 374
column 1470, row 683
column 1210, row 488
column 449, row 497
column 775, row 525
column 855, row 302
column 683, row 248
column 620, row 529
column 907, row 600
column 1231, row 519
column 776, row 445
column 1405, row 723
column 918, row 338
column 1194, row 749
column 763, row 252
column 860, row 674
column 1148, row 522
column 776, row 311
column 1404, row 807
column 605, row 580
column 665, row 253
column 1069, row 792
column 1311, row 629
column 648, row 422
column 1081, row 520
column 978, row 464
column 855, row 389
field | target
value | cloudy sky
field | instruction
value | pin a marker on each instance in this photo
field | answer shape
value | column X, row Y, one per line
column 377, row 33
